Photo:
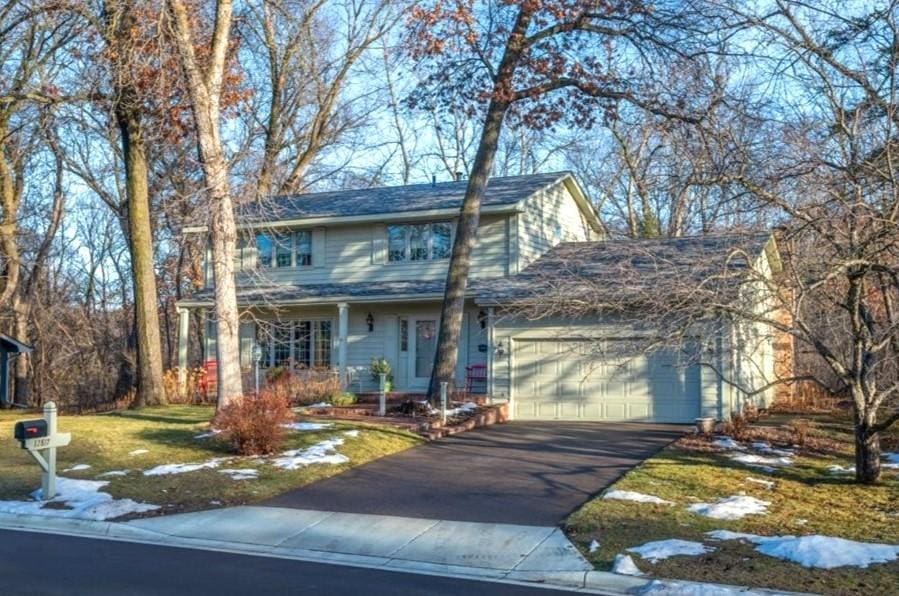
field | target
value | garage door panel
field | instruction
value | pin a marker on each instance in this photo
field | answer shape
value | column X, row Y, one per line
column 570, row 380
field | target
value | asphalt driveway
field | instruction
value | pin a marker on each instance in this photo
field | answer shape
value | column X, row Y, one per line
column 529, row 473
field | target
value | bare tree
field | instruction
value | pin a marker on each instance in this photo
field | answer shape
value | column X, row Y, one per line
column 538, row 61
column 832, row 177
column 204, row 80
column 308, row 50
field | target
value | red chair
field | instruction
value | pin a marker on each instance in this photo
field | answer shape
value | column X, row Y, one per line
column 476, row 374
column 209, row 383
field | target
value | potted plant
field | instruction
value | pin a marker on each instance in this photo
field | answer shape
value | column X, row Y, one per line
column 378, row 367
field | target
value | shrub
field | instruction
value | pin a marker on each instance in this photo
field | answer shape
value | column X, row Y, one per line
column 254, row 424
column 737, row 427
column 800, row 428
column 343, row 399
column 303, row 387
column 192, row 393
column 378, row 367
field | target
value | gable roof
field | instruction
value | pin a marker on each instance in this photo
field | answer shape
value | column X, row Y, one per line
column 620, row 271
column 442, row 199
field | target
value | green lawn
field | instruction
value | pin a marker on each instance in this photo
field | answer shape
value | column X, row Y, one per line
column 805, row 499
column 168, row 434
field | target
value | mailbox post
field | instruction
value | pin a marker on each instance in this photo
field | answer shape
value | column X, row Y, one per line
column 382, row 394
column 40, row 439
column 443, row 401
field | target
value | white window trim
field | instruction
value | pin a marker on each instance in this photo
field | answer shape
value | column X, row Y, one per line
column 407, row 240
column 268, row 360
column 293, row 249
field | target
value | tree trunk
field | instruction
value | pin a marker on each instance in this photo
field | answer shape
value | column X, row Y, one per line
column 205, row 88
column 867, row 453
column 21, row 370
column 9, row 222
column 447, row 354
column 150, row 388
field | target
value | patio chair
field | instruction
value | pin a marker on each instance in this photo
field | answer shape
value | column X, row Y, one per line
column 476, row 376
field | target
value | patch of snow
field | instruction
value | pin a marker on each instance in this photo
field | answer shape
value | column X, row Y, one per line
column 112, row 473
column 82, row 499
column 308, row 425
column 324, row 452
column 769, row 484
column 726, row 443
column 800, row 522
column 351, row 433
column 835, row 469
column 662, row 549
column 210, row 433
column 625, row 565
column 139, row 452
column 767, row 449
column 594, row 546
column 78, row 468
column 736, row 507
column 892, row 461
column 683, row 588
column 628, row 495
column 241, row 473
column 816, row 551
column 165, row 469
column 763, row 462
column 463, row 409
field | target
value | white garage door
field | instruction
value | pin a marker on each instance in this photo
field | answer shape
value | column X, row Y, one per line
column 612, row 380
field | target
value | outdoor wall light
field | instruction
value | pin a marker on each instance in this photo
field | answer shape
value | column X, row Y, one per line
column 499, row 349
column 370, row 319
column 482, row 318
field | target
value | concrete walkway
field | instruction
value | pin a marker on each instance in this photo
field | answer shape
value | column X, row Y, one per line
column 531, row 473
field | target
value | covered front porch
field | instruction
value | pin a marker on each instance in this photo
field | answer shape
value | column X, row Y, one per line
column 344, row 336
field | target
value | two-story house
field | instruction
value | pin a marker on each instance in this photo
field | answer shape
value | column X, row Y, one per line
column 336, row 279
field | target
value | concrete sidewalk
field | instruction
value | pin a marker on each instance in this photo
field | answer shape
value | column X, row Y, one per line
column 478, row 548
column 505, row 553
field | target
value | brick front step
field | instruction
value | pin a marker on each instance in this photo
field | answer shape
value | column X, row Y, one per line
column 429, row 428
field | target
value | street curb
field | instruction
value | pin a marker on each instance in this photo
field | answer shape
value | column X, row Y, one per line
column 587, row 582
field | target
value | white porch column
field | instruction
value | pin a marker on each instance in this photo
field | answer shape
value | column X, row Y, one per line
column 490, row 355
column 343, row 323
column 183, row 337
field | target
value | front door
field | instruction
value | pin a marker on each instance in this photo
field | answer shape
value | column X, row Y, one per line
column 423, row 340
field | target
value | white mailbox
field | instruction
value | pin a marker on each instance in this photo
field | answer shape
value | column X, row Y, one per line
column 40, row 439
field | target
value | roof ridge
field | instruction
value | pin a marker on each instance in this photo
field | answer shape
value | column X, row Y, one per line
column 555, row 174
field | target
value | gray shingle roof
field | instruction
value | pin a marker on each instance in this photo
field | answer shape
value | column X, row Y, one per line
column 393, row 199
column 618, row 268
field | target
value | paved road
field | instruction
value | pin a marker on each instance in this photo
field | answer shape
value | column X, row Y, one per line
column 533, row 473
column 42, row 564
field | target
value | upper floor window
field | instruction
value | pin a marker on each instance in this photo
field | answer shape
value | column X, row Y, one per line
column 284, row 249
column 419, row 242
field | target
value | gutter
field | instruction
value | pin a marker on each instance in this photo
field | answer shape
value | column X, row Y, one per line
column 397, row 216
column 311, row 301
